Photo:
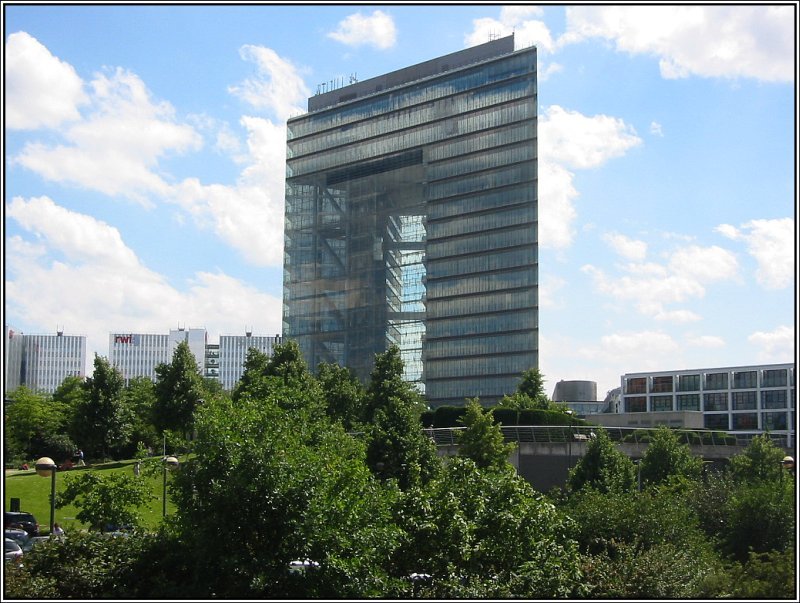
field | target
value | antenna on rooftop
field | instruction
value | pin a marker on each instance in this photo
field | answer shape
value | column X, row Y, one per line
column 493, row 35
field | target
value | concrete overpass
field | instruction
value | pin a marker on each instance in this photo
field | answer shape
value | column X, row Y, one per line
column 544, row 454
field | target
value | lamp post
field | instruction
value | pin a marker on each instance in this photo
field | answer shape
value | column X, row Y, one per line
column 45, row 467
column 569, row 412
column 170, row 462
column 788, row 464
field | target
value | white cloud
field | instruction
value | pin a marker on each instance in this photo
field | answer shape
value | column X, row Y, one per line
column 651, row 286
column 278, row 86
column 556, row 209
column 578, row 141
column 630, row 249
column 545, row 71
column 248, row 216
column 707, row 41
column 706, row 341
column 704, row 264
column 67, row 232
column 106, row 281
column 513, row 19
column 116, row 149
column 771, row 243
column 549, row 285
column 656, row 129
column 775, row 346
column 631, row 351
column 376, row 30
column 568, row 139
column 40, row 90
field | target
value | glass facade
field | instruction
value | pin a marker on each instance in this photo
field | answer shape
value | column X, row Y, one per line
column 411, row 219
column 745, row 399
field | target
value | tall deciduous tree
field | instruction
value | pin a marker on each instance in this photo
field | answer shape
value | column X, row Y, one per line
column 30, row 417
column 178, row 390
column 398, row 448
column 760, row 461
column 482, row 441
column 603, row 467
column 667, row 457
column 105, row 499
column 343, row 393
column 386, row 382
column 530, row 393
column 100, row 423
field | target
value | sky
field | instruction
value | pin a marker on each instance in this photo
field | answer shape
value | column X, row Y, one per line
column 144, row 160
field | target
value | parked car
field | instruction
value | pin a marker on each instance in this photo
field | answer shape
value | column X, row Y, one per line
column 26, row 521
column 13, row 552
column 20, row 536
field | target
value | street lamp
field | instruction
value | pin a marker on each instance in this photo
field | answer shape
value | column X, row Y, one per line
column 569, row 412
column 171, row 463
column 45, row 467
column 788, row 464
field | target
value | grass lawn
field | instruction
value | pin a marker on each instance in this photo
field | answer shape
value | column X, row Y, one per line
column 34, row 494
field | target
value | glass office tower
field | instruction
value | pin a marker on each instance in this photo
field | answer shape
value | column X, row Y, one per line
column 411, row 219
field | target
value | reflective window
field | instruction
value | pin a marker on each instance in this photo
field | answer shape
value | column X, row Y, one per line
column 636, row 404
column 774, row 421
column 688, row 401
column 745, row 379
column 662, row 384
column 716, row 381
column 636, row 385
column 716, row 421
column 744, row 400
column 745, row 420
column 715, row 401
column 661, row 403
column 688, row 383
column 773, row 378
column 773, row 399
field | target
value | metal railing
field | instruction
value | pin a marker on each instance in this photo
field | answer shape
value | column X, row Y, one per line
column 549, row 434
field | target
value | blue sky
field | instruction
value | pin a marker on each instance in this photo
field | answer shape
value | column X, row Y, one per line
column 145, row 146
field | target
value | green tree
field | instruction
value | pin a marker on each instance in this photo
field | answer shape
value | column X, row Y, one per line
column 759, row 517
column 530, row 394
column 666, row 457
column 397, row 447
column 760, row 461
column 31, row 418
column 140, row 398
column 769, row 576
column 178, row 391
column 105, row 499
column 100, row 422
column 482, row 441
column 485, row 534
column 603, row 467
column 343, row 393
column 255, row 370
column 386, row 382
column 267, row 486
column 287, row 363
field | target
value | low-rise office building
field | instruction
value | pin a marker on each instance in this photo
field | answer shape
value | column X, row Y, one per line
column 748, row 400
column 42, row 362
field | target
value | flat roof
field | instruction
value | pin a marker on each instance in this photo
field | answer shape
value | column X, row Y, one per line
column 448, row 62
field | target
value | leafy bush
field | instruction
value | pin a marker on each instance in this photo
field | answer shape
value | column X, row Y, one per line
column 448, row 416
column 505, row 416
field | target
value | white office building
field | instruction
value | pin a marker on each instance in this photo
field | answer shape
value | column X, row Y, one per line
column 232, row 352
column 745, row 400
column 138, row 354
column 42, row 362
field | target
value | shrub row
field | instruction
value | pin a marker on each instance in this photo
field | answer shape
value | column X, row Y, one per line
column 448, row 416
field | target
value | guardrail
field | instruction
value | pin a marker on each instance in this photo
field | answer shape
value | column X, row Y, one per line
column 548, row 434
